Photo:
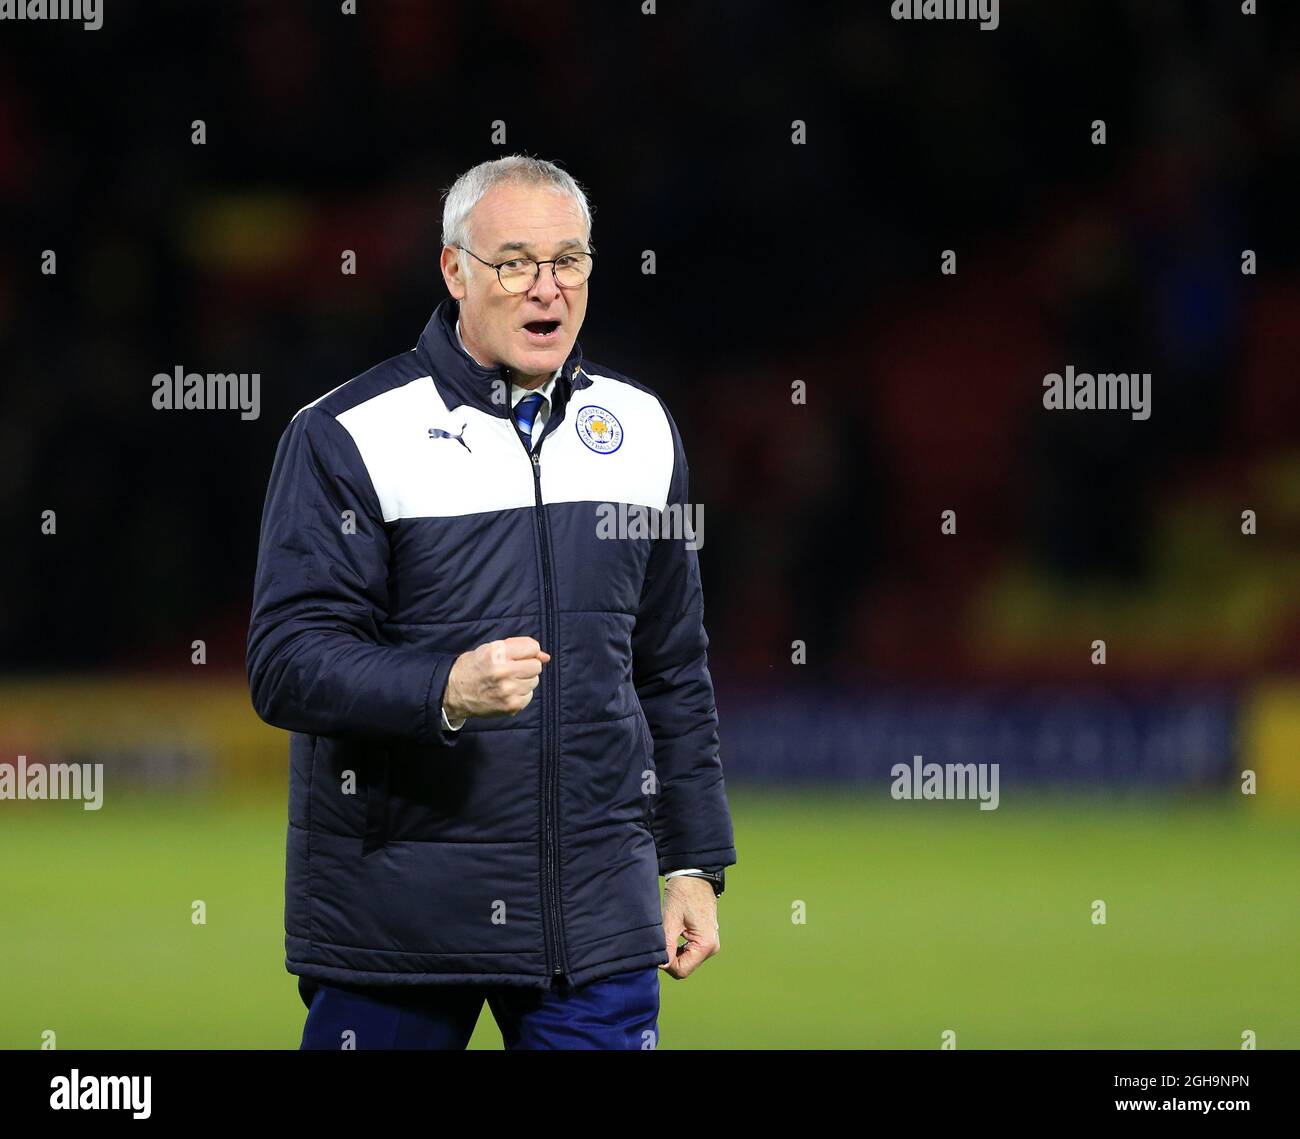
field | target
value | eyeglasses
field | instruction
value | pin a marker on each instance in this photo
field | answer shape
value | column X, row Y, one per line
column 519, row 274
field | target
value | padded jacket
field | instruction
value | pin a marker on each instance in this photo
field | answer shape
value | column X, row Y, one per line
column 405, row 523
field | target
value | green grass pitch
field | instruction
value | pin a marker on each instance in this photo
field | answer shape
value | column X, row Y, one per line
column 919, row 918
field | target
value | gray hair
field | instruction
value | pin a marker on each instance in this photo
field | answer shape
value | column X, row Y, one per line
column 468, row 190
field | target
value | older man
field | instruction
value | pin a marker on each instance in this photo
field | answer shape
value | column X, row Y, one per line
column 504, row 725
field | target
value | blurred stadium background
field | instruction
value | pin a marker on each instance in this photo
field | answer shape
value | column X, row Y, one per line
column 775, row 263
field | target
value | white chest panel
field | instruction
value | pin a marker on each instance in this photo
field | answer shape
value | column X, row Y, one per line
column 623, row 453
column 576, row 465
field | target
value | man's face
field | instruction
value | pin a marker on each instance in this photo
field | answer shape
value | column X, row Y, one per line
column 511, row 328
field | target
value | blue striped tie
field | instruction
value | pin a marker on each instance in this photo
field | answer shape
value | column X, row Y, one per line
column 525, row 414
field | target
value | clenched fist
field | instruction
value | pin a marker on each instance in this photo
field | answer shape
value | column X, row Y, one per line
column 496, row 679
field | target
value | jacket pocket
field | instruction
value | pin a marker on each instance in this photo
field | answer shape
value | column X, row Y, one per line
column 376, row 833
column 647, row 778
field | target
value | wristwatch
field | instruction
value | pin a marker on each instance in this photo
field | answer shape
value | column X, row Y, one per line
column 716, row 876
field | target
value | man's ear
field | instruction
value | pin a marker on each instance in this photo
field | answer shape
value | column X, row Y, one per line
column 453, row 272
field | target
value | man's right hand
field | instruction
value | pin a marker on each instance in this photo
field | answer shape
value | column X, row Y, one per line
column 495, row 679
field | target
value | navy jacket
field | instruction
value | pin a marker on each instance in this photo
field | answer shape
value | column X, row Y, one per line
column 406, row 523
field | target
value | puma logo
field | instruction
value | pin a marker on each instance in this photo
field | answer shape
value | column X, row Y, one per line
column 439, row 433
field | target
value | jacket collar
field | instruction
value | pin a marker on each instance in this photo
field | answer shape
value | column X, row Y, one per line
column 462, row 380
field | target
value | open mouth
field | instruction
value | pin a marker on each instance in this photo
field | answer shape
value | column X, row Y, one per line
column 542, row 331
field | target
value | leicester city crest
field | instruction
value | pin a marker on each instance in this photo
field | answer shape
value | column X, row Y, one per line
column 599, row 429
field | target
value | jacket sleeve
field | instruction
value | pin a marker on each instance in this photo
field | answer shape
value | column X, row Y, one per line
column 315, row 660
column 692, row 821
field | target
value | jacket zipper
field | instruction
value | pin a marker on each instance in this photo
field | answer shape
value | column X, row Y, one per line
column 557, row 966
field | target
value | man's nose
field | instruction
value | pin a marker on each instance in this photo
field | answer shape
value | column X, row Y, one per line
column 545, row 287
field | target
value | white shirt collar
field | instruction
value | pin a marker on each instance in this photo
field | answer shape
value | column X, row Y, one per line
column 516, row 392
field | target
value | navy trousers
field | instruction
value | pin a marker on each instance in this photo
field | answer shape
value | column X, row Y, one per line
column 618, row 1012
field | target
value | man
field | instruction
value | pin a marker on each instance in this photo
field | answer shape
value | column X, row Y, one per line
column 504, row 724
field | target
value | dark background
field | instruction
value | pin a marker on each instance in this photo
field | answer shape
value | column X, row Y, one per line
column 776, row 262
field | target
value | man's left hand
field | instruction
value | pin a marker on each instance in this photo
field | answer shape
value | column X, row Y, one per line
column 690, row 910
